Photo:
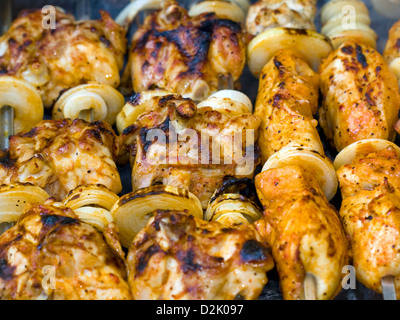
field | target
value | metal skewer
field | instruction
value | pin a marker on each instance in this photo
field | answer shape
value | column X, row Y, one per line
column 83, row 12
column 225, row 81
column 388, row 288
column 6, row 126
column 87, row 115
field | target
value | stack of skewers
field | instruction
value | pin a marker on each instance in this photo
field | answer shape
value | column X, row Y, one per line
column 221, row 191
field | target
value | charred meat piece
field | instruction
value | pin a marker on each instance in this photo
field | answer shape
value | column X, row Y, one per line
column 184, row 54
column 51, row 254
column 65, row 55
column 177, row 256
column 59, row 155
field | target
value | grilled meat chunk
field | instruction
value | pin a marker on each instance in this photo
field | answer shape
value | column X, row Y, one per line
column 183, row 54
column 177, row 256
column 286, row 103
column 174, row 143
column 361, row 96
column 50, row 254
column 371, row 215
column 303, row 230
column 59, row 58
column 60, row 155
column 266, row 14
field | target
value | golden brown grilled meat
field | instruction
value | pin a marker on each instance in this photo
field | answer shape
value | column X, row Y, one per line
column 177, row 256
column 183, row 54
column 361, row 96
column 303, row 230
column 59, row 155
column 50, row 254
column 73, row 53
column 265, row 14
column 174, row 143
column 370, row 211
column 286, row 103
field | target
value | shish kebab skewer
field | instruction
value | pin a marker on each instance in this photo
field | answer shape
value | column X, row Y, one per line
column 195, row 74
column 295, row 184
column 58, row 156
column 20, row 108
column 358, row 114
column 77, row 62
column 90, row 102
column 219, row 116
column 370, row 209
column 280, row 31
column 230, row 211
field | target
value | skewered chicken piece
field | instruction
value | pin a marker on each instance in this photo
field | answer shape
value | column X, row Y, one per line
column 392, row 50
column 295, row 14
column 51, row 254
column 278, row 25
column 296, row 181
column 286, row 103
column 369, row 183
column 185, row 55
column 59, row 155
column 173, row 142
column 179, row 256
column 71, row 54
column 303, row 230
column 361, row 96
column 292, row 152
column 361, row 102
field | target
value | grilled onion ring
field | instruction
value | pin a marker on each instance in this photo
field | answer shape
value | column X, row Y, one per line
column 14, row 197
column 132, row 211
column 265, row 45
column 362, row 147
column 105, row 101
column 24, row 99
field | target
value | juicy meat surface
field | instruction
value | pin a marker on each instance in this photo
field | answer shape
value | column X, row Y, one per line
column 73, row 53
column 174, row 143
column 286, row 102
column 59, row 155
column 303, row 230
column 177, row 256
column 50, row 254
column 266, row 14
column 370, row 211
column 361, row 96
column 183, row 54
